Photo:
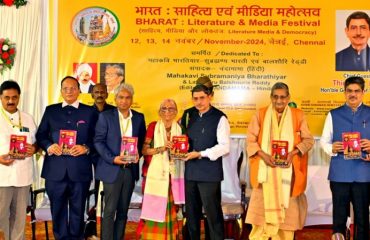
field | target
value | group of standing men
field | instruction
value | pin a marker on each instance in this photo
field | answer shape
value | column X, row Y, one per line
column 277, row 207
column 98, row 142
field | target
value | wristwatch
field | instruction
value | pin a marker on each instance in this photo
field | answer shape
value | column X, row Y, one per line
column 87, row 149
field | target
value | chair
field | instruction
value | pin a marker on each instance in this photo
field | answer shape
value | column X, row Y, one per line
column 39, row 212
column 234, row 213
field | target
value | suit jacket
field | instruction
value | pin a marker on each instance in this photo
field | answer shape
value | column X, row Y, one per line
column 94, row 154
column 107, row 143
column 56, row 118
column 346, row 60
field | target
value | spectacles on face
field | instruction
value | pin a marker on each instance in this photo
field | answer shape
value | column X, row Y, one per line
column 111, row 75
column 69, row 89
column 357, row 91
column 170, row 109
column 281, row 97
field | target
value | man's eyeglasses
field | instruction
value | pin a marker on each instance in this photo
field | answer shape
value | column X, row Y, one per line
column 170, row 110
column 111, row 74
column 69, row 89
column 277, row 97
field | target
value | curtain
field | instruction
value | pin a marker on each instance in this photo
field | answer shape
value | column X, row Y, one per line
column 27, row 27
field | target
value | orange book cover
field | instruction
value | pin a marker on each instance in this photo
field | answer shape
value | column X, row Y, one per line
column 17, row 146
column 351, row 145
column 67, row 139
column 279, row 151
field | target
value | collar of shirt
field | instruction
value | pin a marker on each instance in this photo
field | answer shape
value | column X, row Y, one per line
column 120, row 115
column 356, row 107
column 75, row 104
column 13, row 117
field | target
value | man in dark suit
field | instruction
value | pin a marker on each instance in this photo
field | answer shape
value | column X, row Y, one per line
column 99, row 94
column 67, row 177
column 118, row 174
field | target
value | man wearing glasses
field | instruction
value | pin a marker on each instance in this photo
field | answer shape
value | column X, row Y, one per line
column 67, row 177
column 278, row 204
column 356, row 57
column 349, row 178
column 113, row 76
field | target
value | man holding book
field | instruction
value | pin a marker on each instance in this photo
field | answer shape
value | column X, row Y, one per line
column 67, row 169
column 17, row 130
column 118, row 172
column 278, row 204
column 208, row 131
column 349, row 172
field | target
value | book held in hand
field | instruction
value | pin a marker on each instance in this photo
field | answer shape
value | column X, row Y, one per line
column 67, row 139
column 180, row 147
column 351, row 145
column 129, row 148
column 17, row 147
column 279, row 151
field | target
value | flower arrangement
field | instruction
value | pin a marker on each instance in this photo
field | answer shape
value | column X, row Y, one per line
column 10, row 3
column 7, row 54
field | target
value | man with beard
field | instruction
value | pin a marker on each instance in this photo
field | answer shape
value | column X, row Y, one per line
column 356, row 57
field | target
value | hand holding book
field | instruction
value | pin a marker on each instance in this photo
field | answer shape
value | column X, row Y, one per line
column 6, row 160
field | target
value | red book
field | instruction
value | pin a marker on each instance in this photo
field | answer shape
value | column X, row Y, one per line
column 129, row 148
column 67, row 139
column 279, row 151
column 17, row 147
column 351, row 145
column 180, row 147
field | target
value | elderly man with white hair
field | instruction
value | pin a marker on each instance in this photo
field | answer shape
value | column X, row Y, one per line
column 83, row 74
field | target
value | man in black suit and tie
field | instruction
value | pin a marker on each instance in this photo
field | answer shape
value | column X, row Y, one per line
column 118, row 174
column 67, row 177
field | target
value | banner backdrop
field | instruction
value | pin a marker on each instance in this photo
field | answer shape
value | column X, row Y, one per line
column 162, row 47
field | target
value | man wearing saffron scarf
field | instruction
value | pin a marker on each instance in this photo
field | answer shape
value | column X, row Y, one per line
column 278, row 204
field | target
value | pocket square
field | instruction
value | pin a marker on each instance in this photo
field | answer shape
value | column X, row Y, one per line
column 80, row 122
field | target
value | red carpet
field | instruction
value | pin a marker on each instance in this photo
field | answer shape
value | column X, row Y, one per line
column 305, row 234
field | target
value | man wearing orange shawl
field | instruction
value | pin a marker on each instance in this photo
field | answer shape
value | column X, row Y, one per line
column 278, row 204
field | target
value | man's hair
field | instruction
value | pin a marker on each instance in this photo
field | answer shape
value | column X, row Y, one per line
column 67, row 77
column 124, row 86
column 358, row 15
column 201, row 88
column 355, row 80
column 279, row 85
column 9, row 84
column 100, row 84
column 119, row 68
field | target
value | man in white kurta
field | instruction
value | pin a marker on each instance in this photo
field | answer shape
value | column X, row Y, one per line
column 16, row 174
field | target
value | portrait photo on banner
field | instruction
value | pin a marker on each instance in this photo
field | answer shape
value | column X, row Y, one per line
column 112, row 74
column 352, row 35
column 86, row 73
